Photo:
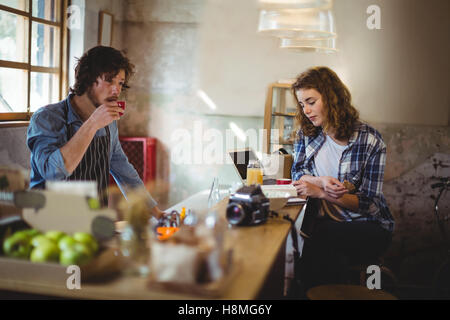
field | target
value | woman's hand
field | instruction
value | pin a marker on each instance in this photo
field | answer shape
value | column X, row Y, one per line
column 333, row 187
column 307, row 189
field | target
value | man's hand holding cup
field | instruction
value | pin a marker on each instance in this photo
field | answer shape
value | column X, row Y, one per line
column 121, row 104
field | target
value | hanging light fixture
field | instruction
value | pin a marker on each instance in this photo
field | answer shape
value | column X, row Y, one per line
column 324, row 45
column 295, row 4
column 302, row 25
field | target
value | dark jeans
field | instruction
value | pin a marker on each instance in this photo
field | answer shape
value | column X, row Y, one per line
column 334, row 246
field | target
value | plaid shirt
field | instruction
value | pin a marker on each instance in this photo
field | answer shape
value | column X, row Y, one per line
column 362, row 163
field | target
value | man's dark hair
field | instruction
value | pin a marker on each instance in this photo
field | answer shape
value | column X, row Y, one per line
column 100, row 61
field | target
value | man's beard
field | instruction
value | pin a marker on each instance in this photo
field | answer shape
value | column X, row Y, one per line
column 92, row 98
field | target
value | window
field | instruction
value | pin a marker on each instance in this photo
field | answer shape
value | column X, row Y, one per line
column 32, row 39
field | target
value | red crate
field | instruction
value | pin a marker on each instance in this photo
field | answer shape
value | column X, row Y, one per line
column 141, row 153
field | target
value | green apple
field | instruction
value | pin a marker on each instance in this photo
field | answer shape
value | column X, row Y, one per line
column 17, row 246
column 84, row 248
column 45, row 252
column 40, row 239
column 66, row 242
column 31, row 232
column 21, row 233
column 87, row 239
column 77, row 254
column 94, row 204
column 54, row 235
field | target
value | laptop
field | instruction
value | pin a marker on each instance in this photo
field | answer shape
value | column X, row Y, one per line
column 241, row 158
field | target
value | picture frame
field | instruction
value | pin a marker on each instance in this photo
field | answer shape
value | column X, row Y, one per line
column 106, row 28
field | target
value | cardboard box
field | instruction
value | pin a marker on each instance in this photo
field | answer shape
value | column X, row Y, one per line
column 277, row 166
column 67, row 213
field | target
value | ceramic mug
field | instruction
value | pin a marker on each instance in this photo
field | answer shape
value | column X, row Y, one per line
column 122, row 105
column 284, row 181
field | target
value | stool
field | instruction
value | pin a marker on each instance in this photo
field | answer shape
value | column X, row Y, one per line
column 347, row 292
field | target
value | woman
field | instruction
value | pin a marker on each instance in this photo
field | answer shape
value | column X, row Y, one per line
column 339, row 165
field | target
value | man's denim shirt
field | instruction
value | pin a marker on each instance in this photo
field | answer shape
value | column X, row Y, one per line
column 48, row 132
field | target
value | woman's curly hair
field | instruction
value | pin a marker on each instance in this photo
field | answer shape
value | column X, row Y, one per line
column 341, row 115
column 100, row 61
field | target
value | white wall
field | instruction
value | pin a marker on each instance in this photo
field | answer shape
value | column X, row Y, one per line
column 399, row 74
column 84, row 35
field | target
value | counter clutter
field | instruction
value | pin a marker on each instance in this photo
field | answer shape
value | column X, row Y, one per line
column 202, row 258
column 180, row 251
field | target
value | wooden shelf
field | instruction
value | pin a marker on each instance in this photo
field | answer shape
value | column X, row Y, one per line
column 277, row 115
column 280, row 114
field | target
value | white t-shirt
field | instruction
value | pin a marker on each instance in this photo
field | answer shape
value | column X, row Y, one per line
column 328, row 157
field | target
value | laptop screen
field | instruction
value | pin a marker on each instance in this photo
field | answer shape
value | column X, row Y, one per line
column 241, row 159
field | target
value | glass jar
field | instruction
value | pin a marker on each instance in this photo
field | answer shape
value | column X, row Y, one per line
column 135, row 248
column 136, row 236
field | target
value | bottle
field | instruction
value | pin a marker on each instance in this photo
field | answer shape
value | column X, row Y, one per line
column 254, row 173
column 182, row 214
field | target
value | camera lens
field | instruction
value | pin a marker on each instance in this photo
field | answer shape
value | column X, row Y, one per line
column 235, row 213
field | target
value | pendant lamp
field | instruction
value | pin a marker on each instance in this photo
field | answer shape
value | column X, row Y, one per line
column 325, row 45
column 301, row 25
column 304, row 24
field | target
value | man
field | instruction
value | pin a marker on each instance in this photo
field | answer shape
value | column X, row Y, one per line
column 77, row 138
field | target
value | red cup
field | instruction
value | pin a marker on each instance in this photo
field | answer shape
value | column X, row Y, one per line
column 284, row 181
column 121, row 104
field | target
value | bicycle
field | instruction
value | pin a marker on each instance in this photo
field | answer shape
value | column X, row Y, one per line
column 441, row 281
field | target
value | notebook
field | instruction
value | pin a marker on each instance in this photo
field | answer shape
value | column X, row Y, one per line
column 286, row 191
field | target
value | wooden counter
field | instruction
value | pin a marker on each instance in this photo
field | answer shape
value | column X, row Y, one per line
column 259, row 250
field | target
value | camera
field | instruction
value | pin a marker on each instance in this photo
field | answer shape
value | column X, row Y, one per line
column 248, row 206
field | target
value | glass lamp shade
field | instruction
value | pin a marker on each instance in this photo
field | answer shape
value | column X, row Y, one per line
column 295, row 4
column 306, row 24
column 325, row 45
